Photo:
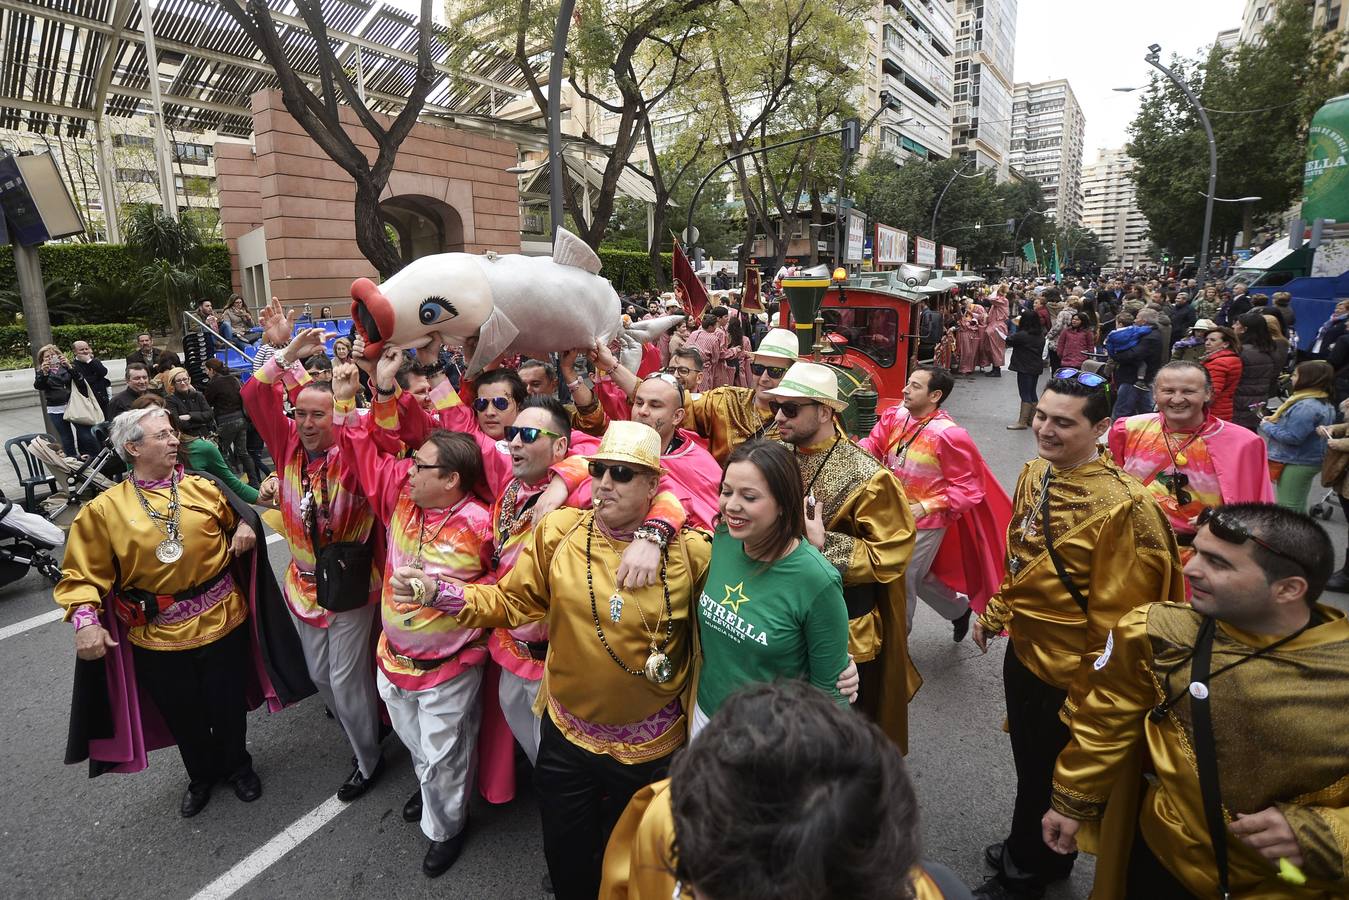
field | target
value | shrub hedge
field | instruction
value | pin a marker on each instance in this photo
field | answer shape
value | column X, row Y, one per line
column 109, row 341
column 630, row 270
column 83, row 263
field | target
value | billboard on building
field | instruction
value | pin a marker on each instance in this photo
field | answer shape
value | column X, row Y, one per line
column 926, row 254
column 948, row 257
column 892, row 246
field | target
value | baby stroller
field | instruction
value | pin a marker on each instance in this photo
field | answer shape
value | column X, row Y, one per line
column 26, row 542
column 80, row 481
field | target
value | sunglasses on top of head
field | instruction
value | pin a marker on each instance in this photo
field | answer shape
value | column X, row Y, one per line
column 773, row 371
column 1229, row 528
column 501, row 403
column 527, row 434
column 620, row 473
column 1087, row 379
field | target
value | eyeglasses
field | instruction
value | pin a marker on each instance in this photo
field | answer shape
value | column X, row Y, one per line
column 1087, row 379
column 501, row 403
column 681, row 371
column 1176, row 483
column 421, row 466
column 620, row 473
column 1231, row 529
column 526, row 433
column 788, row 409
column 773, row 371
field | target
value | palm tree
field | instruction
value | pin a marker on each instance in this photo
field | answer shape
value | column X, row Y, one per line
column 172, row 272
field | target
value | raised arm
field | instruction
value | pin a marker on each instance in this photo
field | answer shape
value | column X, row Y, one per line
column 381, row 476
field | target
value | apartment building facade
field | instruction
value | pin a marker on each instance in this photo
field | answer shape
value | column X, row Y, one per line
column 981, row 127
column 1110, row 208
column 1048, row 127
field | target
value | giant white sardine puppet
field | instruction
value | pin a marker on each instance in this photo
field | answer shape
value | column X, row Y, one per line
column 511, row 303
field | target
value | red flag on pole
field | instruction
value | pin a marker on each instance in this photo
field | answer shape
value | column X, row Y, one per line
column 688, row 289
column 753, row 299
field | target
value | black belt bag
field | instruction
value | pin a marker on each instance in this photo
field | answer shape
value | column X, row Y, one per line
column 860, row 599
column 137, row 607
column 341, row 572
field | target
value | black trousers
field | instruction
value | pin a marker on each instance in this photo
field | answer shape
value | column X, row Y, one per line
column 1147, row 877
column 1037, row 739
column 581, row 796
column 200, row 694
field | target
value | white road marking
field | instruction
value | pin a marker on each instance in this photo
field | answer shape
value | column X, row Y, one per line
column 27, row 624
column 257, row 862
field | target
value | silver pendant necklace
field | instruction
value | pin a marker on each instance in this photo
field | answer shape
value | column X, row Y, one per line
column 169, row 550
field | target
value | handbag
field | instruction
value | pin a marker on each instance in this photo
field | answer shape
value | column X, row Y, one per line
column 341, row 571
column 82, row 408
column 1333, row 467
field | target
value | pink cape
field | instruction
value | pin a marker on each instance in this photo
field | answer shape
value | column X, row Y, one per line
column 974, row 549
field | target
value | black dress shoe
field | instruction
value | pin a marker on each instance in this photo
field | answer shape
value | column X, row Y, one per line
column 412, row 810
column 960, row 626
column 997, row 889
column 441, row 855
column 195, row 798
column 357, row 784
column 247, row 786
column 993, row 856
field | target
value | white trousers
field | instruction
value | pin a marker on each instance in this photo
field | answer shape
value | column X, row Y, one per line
column 440, row 728
column 340, row 663
column 516, row 696
column 920, row 583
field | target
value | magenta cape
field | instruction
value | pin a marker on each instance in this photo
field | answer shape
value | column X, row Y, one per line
column 972, row 554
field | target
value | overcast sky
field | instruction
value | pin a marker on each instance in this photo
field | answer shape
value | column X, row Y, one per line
column 1100, row 45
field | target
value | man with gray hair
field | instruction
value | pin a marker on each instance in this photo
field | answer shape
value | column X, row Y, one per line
column 1136, row 366
column 148, row 574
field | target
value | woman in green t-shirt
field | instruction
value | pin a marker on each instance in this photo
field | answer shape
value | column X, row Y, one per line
column 772, row 606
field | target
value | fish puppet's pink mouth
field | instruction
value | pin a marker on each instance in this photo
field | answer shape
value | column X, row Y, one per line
column 371, row 315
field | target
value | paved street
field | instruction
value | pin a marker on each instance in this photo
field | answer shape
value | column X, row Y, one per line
column 64, row 835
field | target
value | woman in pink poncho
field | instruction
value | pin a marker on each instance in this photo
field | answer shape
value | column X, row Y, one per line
column 993, row 345
column 970, row 335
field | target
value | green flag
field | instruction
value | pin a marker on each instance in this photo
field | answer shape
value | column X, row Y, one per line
column 1055, row 262
column 1028, row 251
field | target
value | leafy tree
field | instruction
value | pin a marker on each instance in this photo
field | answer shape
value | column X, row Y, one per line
column 1260, row 100
column 319, row 113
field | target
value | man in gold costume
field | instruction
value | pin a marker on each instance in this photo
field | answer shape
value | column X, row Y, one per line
column 1247, row 684
column 858, row 517
column 158, row 548
column 783, row 794
column 728, row 416
column 1087, row 543
column 619, row 662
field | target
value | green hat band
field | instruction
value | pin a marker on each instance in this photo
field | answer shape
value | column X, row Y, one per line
column 805, row 389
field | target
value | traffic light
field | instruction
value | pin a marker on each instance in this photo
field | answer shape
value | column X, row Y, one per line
column 852, row 135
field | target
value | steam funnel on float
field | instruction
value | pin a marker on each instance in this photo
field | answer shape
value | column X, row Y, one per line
column 805, row 292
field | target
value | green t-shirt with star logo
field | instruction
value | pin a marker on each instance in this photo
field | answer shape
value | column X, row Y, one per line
column 759, row 624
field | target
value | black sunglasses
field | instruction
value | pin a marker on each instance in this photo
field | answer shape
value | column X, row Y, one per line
column 788, row 409
column 501, row 403
column 527, row 434
column 1087, row 379
column 773, row 371
column 1176, row 483
column 1234, row 531
column 620, row 473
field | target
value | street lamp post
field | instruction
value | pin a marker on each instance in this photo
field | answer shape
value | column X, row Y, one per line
column 1154, row 59
column 942, row 196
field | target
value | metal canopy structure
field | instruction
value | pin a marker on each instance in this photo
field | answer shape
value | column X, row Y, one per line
column 67, row 63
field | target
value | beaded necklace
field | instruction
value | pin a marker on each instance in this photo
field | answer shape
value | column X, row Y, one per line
column 658, row 668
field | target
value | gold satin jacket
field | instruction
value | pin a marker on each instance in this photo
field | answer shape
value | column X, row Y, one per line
column 1114, row 541
column 548, row 582
column 727, row 417
column 1278, row 744
column 113, row 534
column 869, row 535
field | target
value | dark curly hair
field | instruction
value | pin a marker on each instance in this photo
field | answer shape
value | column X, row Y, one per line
column 785, row 794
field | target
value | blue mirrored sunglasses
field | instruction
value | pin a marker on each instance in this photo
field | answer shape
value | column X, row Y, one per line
column 1089, row 379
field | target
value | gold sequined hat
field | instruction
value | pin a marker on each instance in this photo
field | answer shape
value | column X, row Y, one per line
column 630, row 442
column 779, row 343
column 809, row 381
